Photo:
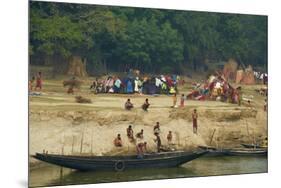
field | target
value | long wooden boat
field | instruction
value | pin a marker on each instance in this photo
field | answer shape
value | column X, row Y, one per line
column 213, row 152
column 253, row 146
column 247, row 152
column 120, row 163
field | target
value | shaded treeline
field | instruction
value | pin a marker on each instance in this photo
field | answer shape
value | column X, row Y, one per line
column 151, row 40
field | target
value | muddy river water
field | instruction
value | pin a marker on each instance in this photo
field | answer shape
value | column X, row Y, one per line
column 50, row 175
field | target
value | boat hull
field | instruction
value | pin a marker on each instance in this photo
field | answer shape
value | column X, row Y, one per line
column 253, row 146
column 213, row 152
column 247, row 153
column 120, row 163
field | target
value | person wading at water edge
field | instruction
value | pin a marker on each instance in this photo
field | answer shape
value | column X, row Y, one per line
column 145, row 105
column 128, row 105
column 194, row 121
column 118, row 141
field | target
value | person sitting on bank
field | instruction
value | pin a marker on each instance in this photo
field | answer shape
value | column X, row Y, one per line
column 145, row 105
column 118, row 141
column 140, row 134
column 141, row 149
column 156, row 128
column 169, row 137
column 128, row 105
column 130, row 133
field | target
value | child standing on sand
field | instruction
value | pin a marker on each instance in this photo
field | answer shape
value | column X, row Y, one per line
column 182, row 101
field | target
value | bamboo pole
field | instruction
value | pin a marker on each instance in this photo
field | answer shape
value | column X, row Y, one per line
column 92, row 141
column 62, row 153
column 81, row 144
column 247, row 129
column 72, row 146
column 63, row 142
column 212, row 136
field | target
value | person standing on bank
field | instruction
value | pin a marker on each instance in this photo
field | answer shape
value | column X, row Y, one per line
column 182, row 101
column 174, row 100
column 194, row 121
column 158, row 142
column 156, row 128
column 38, row 81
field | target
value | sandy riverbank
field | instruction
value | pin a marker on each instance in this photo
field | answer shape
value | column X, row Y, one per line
column 58, row 123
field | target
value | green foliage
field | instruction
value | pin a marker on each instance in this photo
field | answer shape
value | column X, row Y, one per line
column 148, row 39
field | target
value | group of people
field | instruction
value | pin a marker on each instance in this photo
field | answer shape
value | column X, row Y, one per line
column 130, row 84
column 38, row 82
column 216, row 88
column 129, row 105
column 138, row 139
column 261, row 77
column 175, row 99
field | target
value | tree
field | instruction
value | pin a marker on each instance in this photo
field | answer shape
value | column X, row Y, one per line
column 113, row 38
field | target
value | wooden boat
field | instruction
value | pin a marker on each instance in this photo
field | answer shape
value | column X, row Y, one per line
column 247, row 152
column 253, row 146
column 213, row 152
column 120, row 163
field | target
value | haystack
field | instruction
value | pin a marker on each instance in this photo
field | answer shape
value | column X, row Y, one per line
column 248, row 77
column 77, row 67
column 229, row 69
column 239, row 76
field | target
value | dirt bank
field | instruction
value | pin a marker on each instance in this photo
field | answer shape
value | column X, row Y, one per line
column 57, row 130
column 59, row 124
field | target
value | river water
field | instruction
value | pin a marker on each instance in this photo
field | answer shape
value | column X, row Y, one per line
column 50, row 175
